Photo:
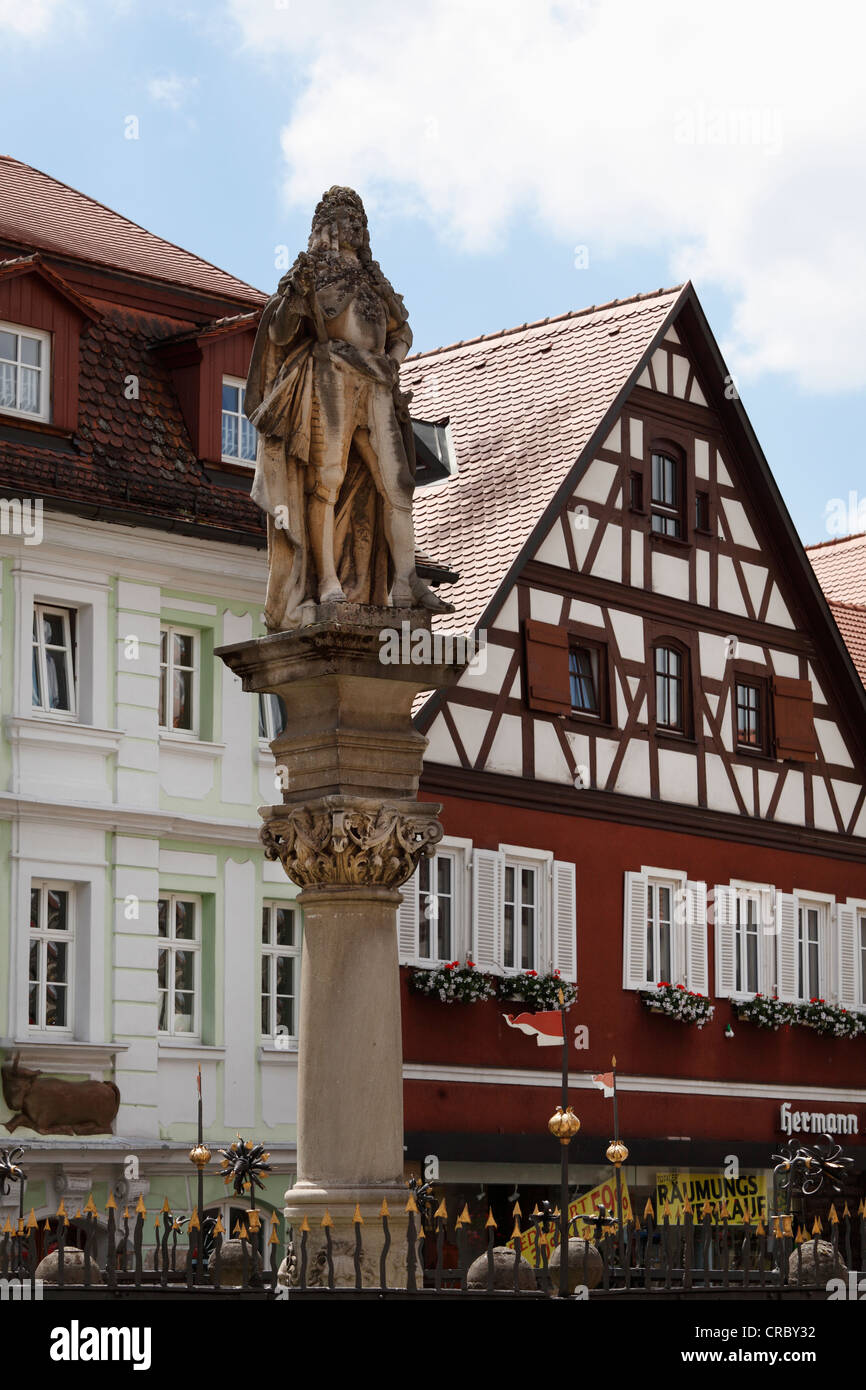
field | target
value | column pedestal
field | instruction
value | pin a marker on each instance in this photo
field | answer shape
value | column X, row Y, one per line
column 349, row 832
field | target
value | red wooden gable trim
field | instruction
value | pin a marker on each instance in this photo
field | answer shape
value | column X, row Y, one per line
column 198, row 363
column 794, row 719
column 34, row 297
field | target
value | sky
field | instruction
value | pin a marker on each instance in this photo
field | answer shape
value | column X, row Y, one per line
column 518, row 159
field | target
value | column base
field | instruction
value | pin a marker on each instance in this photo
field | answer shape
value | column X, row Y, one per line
column 311, row 1200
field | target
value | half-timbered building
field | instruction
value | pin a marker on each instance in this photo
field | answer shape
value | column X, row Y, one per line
column 656, row 773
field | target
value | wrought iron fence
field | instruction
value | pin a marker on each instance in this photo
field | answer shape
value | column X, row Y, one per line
column 701, row 1255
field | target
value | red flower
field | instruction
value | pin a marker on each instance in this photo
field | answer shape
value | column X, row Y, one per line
column 450, row 965
column 664, row 984
column 471, row 964
column 680, row 986
column 533, row 973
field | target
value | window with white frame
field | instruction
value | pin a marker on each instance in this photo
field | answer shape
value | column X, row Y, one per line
column 179, row 964
column 238, row 435
column 665, row 925
column 178, row 679
column 810, row 946
column 281, row 966
column 51, row 945
column 437, row 887
column 434, row 918
column 660, row 924
column 272, row 716
column 25, row 371
column 861, row 958
column 53, row 659
column 522, row 916
column 747, row 943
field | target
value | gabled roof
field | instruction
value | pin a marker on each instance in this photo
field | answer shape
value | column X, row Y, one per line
column 39, row 212
column 523, row 405
column 34, row 265
column 840, row 565
column 527, row 409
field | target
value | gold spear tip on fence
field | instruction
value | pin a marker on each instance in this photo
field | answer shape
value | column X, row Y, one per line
column 274, row 1238
column 304, row 1226
column 490, row 1221
column 441, row 1211
column 47, row 1227
column 706, row 1210
column 723, row 1211
column 140, row 1208
column 78, row 1216
column 156, row 1223
column 32, row 1223
column 275, row 1220
column 111, row 1205
column 219, row 1229
column 384, row 1209
column 90, row 1208
column 861, row 1207
column 666, row 1209
column 244, row 1233
column 165, row 1205
column 411, row 1205
column 535, row 1210
column 61, row 1210
column 194, row 1223
column 817, row 1228
column 357, row 1218
column 7, row 1229
column 832, row 1215
column 516, row 1233
column 687, row 1207
column 464, row 1219
column 786, row 1225
column 515, row 1210
column 326, row 1219
column 845, row 1211
column 126, row 1213
column 648, row 1209
column 613, row 1061
column 254, row 1219
column 801, row 1236
column 761, row 1228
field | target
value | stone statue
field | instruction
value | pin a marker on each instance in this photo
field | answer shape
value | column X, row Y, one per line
column 335, row 463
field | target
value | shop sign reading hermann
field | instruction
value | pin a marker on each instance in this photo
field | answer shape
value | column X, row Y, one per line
column 815, row 1122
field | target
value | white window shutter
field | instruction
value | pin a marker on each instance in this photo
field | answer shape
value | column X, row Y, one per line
column 725, row 916
column 487, row 892
column 564, row 920
column 634, row 932
column 786, row 939
column 846, row 955
column 767, row 963
column 697, row 968
column 407, row 922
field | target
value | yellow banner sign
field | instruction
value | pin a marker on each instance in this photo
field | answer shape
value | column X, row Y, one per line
column 745, row 1196
column 587, row 1207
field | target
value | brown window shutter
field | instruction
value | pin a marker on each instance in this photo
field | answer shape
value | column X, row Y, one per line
column 548, row 686
column 794, row 720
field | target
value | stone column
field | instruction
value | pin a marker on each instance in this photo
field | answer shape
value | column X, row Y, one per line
column 349, row 832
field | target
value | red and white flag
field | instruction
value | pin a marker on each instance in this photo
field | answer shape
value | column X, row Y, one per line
column 604, row 1082
column 545, row 1027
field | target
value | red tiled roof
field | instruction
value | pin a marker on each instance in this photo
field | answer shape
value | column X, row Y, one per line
column 40, row 212
column 523, row 404
column 131, row 455
column 851, row 622
column 840, row 565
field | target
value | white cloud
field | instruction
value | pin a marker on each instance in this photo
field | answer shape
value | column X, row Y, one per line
column 735, row 138
column 171, row 91
column 30, row 20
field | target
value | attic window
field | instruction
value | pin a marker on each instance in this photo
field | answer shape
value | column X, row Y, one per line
column 238, row 435
column 435, row 459
column 25, row 358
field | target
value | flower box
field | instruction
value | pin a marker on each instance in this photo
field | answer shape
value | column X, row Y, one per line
column 676, row 1002
column 540, row 993
column 454, row 983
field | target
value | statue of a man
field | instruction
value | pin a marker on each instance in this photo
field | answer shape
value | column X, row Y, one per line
column 335, row 463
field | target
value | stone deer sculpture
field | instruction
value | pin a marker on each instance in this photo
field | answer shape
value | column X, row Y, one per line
column 50, row 1105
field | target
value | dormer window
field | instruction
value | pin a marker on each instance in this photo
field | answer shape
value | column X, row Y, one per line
column 25, row 381
column 238, row 435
